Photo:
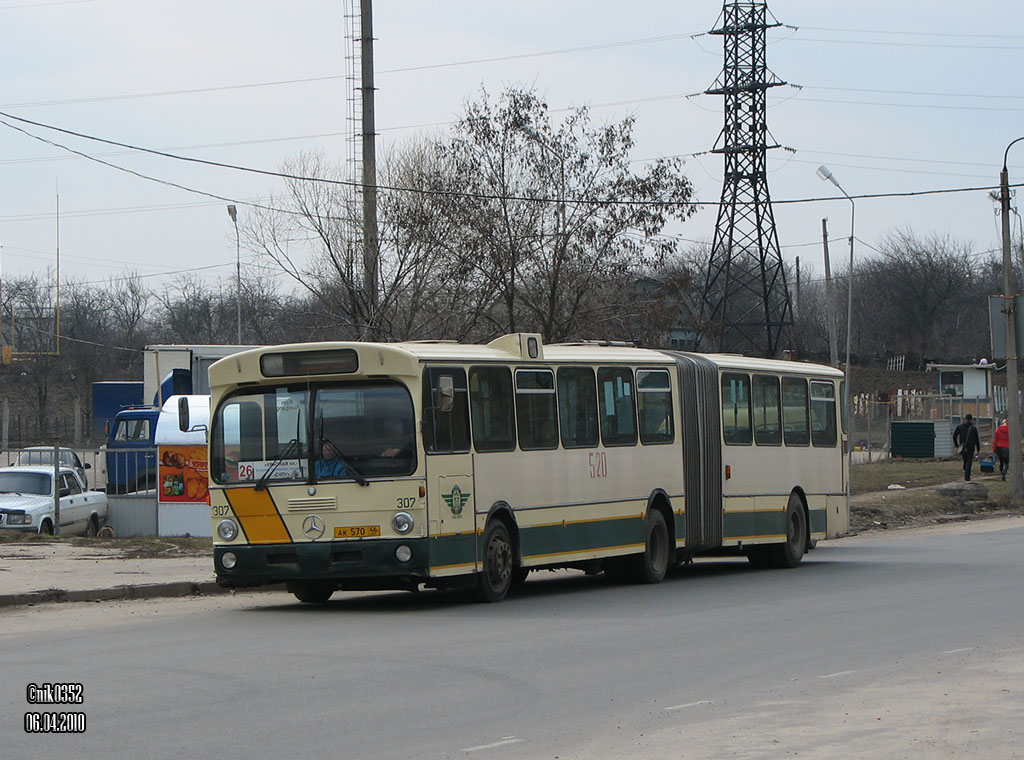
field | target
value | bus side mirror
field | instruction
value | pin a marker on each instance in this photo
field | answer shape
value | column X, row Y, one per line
column 183, row 420
column 446, row 391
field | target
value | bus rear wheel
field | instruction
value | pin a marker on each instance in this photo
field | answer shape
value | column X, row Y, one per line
column 311, row 592
column 496, row 576
column 789, row 553
column 651, row 566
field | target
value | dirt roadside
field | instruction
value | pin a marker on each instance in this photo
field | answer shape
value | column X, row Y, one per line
column 907, row 493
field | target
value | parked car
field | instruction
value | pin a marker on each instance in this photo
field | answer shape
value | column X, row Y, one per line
column 35, row 455
column 26, row 501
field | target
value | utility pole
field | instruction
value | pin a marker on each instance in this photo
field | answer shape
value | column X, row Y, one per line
column 1012, row 398
column 370, row 243
column 56, row 323
column 796, row 306
column 833, row 349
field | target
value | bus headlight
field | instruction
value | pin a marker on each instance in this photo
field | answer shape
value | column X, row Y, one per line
column 228, row 560
column 227, row 530
column 402, row 522
column 403, row 553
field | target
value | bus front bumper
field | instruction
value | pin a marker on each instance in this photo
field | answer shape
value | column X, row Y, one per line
column 353, row 561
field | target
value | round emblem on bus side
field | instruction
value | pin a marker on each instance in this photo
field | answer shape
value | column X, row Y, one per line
column 313, row 526
column 455, row 500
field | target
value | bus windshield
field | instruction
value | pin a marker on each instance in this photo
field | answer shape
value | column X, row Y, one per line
column 313, row 433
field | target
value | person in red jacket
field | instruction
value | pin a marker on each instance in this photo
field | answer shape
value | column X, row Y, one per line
column 1001, row 446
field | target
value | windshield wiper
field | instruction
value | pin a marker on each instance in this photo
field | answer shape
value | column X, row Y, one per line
column 350, row 468
column 292, row 446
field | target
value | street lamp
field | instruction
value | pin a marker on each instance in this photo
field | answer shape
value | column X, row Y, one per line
column 233, row 213
column 1012, row 401
column 824, row 173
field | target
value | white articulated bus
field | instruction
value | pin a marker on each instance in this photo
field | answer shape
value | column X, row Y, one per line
column 395, row 465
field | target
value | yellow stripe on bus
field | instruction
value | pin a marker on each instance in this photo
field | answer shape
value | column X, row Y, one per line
column 590, row 550
column 260, row 519
column 566, row 523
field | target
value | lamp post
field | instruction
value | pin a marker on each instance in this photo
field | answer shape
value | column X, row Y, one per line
column 1012, row 400
column 233, row 213
column 824, row 173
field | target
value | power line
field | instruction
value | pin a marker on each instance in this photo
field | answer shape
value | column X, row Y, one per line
column 335, row 77
column 909, row 44
column 393, row 188
column 913, row 34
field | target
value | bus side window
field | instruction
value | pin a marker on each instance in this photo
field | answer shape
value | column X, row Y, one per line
column 794, row 411
column 823, row 414
column 445, row 431
column 736, row 409
column 618, row 409
column 654, row 406
column 577, row 407
column 767, row 420
column 536, row 416
column 490, row 397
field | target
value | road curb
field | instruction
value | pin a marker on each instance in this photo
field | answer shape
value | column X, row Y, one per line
column 146, row 591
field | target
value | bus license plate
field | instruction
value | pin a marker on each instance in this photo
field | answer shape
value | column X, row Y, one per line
column 357, row 531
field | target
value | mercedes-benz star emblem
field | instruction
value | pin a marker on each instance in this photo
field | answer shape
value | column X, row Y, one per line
column 313, row 526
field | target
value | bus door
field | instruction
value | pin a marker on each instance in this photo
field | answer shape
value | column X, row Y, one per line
column 451, row 507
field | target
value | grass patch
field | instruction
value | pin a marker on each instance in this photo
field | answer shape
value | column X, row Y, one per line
column 153, row 546
column 874, row 506
column 131, row 548
column 900, row 509
column 909, row 473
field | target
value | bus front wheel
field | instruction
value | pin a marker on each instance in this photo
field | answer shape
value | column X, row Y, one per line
column 311, row 592
column 496, row 576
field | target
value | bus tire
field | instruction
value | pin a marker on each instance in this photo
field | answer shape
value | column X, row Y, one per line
column 790, row 553
column 651, row 566
column 311, row 592
column 494, row 579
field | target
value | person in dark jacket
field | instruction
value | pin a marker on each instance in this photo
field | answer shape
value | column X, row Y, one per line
column 966, row 441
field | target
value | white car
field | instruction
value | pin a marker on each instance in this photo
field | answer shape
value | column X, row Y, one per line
column 44, row 455
column 26, row 502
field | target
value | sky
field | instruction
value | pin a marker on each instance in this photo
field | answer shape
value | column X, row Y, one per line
column 911, row 97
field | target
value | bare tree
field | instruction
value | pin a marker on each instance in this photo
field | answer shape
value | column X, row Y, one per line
column 547, row 219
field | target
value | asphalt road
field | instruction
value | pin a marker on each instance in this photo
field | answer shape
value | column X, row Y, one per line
column 886, row 645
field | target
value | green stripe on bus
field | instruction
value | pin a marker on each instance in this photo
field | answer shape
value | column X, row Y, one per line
column 547, row 540
column 449, row 550
column 757, row 524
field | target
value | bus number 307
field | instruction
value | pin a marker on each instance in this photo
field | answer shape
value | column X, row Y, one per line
column 598, row 464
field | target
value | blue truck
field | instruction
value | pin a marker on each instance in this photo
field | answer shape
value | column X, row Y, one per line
column 133, row 448
column 108, row 398
column 132, row 438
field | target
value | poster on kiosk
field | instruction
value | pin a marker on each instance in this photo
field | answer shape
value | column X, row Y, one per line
column 183, row 496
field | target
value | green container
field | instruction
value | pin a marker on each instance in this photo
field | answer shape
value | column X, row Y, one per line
column 913, row 439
